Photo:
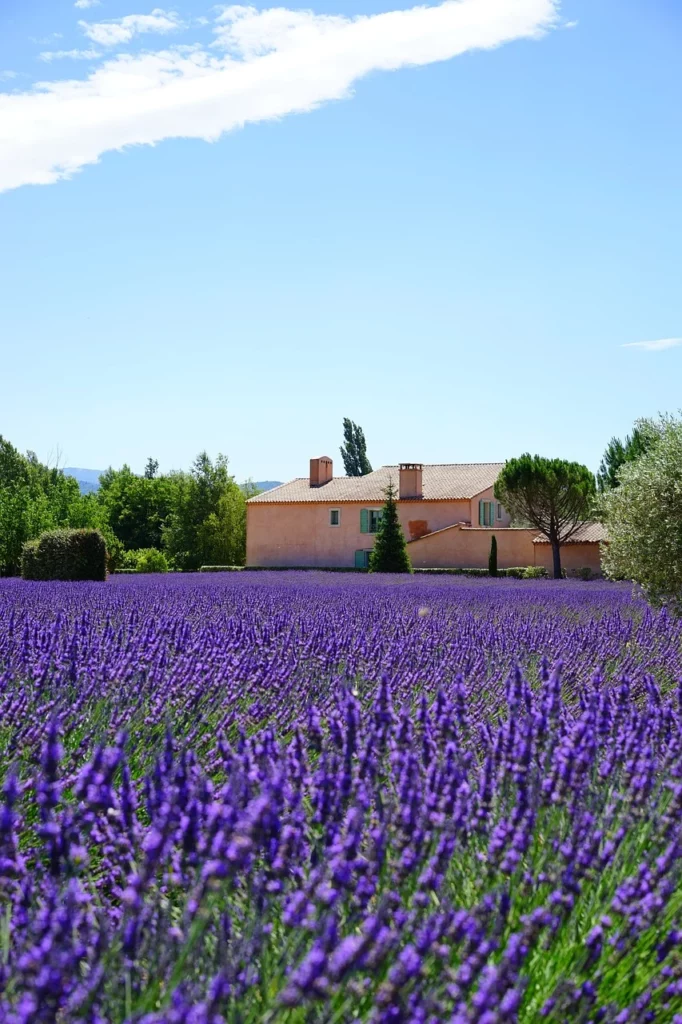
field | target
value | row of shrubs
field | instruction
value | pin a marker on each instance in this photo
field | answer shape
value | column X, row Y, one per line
column 529, row 572
column 521, row 572
column 279, row 568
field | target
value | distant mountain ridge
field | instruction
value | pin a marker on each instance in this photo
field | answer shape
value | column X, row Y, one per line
column 88, row 479
column 267, row 485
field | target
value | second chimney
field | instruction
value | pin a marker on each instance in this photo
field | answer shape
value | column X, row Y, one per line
column 320, row 471
column 411, row 479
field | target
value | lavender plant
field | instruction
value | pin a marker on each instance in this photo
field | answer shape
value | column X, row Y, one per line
column 299, row 798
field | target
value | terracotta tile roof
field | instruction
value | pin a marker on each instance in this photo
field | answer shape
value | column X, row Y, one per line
column 588, row 533
column 454, row 481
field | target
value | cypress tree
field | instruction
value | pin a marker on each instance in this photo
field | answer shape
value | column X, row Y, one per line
column 354, row 450
column 390, row 550
column 492, row 559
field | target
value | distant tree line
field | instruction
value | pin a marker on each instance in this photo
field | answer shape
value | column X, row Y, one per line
column 187, row 519
column 192, row 518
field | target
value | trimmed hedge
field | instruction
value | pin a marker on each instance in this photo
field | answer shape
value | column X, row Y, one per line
column 518, row 572
column 279, row 568
column 65, row 555
column 222, row 568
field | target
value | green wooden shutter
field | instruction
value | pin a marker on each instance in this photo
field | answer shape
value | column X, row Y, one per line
column 359, row 559
column 364, row 520
column 481, row 513
column 490, row 513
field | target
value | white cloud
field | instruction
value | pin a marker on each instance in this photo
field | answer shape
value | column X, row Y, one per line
column 122, row 30
column 6, row 75
column 50, row 55
column 83, row 4
column 278, row 62
column 655, row 346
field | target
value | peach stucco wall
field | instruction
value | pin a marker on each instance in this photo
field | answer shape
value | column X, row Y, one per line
column 469, row 549
column 300, row 534
column 573, row 557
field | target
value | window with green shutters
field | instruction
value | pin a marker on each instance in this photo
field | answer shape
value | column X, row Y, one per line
column 362, row 559
column 369, row 520
column 486, row 513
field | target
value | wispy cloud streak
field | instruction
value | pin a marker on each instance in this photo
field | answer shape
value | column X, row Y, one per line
column 122, row 30
column 264, row 65
column 655, row 346
column 49, row 55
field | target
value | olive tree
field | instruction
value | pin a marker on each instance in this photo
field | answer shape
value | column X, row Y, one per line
column 552, row 495
column 643, row 517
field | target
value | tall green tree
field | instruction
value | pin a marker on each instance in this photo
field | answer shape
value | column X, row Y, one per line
column 35, row 498
column 207, row 521
column 643, row 517
column 619, row 453
column 136, row 507
column 390, row 549
column 354, row 450
column 552, row 495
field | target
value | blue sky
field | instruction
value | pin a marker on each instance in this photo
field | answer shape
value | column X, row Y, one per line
column 456, row 226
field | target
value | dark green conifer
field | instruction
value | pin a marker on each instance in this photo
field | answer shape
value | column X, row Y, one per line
column 492, row 559
column 390, row 550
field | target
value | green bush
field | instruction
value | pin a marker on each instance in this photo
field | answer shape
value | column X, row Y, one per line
column 149, row 560
column 65, row 555
column 534, row 572
column 585, row 573
column 144, row 560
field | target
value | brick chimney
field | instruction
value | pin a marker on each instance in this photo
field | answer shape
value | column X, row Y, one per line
column 320, row 471
column 411, row 480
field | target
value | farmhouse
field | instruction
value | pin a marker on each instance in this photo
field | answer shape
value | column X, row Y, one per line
column 448, row 513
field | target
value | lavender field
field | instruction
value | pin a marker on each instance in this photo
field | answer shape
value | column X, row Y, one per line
column 323, row 798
